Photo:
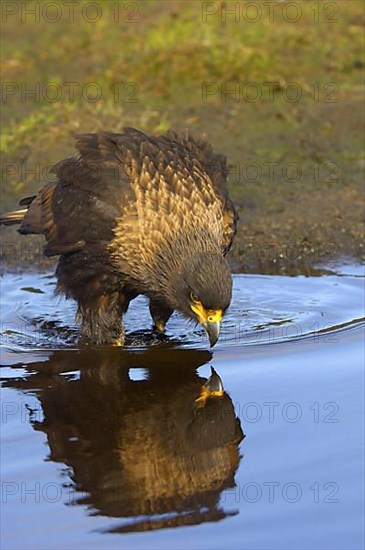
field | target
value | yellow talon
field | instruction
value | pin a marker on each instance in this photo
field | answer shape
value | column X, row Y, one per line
column 160, row 325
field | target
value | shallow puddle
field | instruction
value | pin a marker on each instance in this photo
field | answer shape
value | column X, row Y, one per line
column 119, row 448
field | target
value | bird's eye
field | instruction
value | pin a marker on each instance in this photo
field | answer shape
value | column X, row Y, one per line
column 194, row 297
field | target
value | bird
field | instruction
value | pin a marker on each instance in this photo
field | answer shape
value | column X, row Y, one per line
column 136, row 214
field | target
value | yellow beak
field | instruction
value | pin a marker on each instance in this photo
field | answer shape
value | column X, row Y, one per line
column 210, row 320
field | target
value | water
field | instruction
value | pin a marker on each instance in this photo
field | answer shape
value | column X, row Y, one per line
column 109, row 447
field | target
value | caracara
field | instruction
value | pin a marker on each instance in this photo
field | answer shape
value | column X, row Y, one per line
column 134, row 214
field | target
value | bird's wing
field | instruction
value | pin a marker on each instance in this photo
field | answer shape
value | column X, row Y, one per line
column 81, row 206
column 230, row 226
column 97, row 187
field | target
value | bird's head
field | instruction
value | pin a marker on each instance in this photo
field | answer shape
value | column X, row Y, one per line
column 203, row 291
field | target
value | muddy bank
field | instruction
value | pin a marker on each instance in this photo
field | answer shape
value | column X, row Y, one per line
column 300, row 196
column 283, row 101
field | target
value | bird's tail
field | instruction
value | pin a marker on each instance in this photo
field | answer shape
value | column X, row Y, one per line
column 13, row 218
column 16, row 216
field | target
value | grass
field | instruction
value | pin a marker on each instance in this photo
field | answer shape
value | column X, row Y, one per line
column 150, row 73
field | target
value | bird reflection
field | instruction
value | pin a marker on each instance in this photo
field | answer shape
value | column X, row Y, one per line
column 156, row 451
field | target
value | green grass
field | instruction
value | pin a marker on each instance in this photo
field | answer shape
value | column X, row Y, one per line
column 163, row 59
column 170, row 51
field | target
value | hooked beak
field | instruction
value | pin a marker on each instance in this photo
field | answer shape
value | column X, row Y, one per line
column 212, row 329
column 209, row 319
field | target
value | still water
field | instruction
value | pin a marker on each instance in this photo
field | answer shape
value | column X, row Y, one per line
column 112, row 448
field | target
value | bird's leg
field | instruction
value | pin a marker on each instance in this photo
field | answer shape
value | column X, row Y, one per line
column 160, row 315
column 101, row 320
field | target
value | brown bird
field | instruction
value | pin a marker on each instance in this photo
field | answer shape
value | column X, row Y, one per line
column 134, row 214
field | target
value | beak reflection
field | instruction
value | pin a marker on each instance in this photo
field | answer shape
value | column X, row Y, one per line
column 212, row 388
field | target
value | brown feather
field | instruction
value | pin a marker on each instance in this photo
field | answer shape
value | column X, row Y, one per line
column 128, row 214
